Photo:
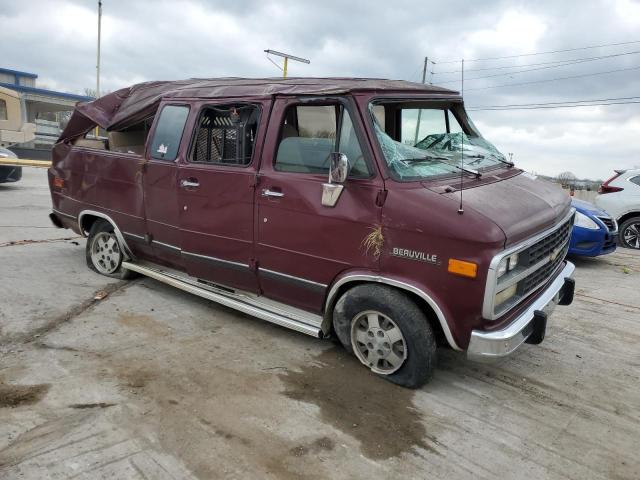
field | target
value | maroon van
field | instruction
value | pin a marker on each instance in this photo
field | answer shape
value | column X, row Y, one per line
column 372, row 210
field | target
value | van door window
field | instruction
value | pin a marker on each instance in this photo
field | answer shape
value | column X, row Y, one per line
column 168, row 134
column 226, row 135
column 308, row 136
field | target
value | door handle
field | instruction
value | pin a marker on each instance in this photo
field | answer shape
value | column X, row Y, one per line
column 189, row 182
column 271, row 193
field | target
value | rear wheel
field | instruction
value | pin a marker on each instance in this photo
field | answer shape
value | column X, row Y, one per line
column 630, row 233
column 387, row 332
column 104, row 253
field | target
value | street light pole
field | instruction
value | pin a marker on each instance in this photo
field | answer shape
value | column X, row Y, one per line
column 286, row 57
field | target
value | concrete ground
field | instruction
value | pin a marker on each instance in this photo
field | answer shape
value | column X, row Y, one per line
column 153, row 383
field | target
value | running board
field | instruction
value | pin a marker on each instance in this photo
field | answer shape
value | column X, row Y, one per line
column 264, row 308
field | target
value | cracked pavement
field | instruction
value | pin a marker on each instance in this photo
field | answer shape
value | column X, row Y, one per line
column 150, row 382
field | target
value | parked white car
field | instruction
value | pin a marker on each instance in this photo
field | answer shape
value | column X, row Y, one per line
column 620, row 197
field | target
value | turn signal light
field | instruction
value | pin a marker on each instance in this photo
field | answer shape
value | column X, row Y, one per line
column 58, row 182
column 462, row 268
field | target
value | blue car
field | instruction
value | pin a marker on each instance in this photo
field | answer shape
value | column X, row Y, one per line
column 594, row 231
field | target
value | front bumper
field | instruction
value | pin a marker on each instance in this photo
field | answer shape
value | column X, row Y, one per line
column 592, row 243
column 529, row 326
column 9, row 174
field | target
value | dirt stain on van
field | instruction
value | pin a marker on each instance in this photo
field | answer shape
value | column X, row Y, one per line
column 376, row 412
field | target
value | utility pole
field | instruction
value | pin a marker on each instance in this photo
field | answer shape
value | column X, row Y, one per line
column 99, row 38
column 286, row 57
column 424, row 80
column 98, row 59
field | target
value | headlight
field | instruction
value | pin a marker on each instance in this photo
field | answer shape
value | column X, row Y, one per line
column 585, row 222
column 505, row 295
column 507, row 264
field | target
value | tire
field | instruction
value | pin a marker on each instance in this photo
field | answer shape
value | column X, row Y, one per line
column 104, row 253
column 629, row 235
column 369, row 309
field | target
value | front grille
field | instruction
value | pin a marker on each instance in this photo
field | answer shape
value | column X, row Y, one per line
column 543, row 248
column 535, row 279
column 537, row 262
column 610, row 224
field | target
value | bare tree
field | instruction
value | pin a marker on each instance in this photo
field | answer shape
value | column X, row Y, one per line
column 90, row 92
column 566, row 179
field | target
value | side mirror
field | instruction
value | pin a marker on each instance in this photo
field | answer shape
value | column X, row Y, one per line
column 338, row 172
column 338, row 168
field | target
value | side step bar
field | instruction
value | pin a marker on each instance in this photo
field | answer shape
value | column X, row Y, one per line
column 269, row 310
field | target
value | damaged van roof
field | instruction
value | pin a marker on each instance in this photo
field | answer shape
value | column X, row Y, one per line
column 142, row 99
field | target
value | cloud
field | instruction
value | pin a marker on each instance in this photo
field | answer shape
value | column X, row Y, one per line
column 162, row 39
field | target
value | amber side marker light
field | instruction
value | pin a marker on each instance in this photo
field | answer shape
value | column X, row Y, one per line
column 58, row 182
column 462, row 268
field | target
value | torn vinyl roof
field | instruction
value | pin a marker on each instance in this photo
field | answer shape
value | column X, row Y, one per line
column 134, row 103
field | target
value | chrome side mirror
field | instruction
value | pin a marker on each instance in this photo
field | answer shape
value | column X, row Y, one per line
column 338, row 172
column 338, row 168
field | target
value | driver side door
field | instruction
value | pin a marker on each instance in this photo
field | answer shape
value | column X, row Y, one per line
column 302, row 245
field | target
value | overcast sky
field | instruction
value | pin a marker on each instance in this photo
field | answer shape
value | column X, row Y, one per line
column 152, row 40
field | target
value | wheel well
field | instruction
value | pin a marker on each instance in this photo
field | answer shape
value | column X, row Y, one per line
column 429, row 313
column 87, row 221
column 627, row 216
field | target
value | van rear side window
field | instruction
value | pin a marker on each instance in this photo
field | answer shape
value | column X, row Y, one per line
column 168, row 134
column 226, row 134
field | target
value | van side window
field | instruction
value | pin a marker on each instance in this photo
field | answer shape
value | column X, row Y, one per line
column 166, row 138
column 129, row 139
column 308, row 135
column 226, row 135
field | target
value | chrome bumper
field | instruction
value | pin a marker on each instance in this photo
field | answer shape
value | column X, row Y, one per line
column 528, row 326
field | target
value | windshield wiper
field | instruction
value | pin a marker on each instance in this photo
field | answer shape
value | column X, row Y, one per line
column 444, row 160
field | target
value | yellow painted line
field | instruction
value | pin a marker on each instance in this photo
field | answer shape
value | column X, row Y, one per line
column 23, row 162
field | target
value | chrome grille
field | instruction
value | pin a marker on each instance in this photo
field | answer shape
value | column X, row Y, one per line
column 539, row 258
column 538, row 277
column 543, row 248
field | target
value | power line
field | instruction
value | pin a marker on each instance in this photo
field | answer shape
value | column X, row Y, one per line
column 556, row 103
column 560, row 62
column 552, row 106
column 532, row 69
column 556, row 79
column 543, row 53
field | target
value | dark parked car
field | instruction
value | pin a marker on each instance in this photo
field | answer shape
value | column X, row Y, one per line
column 330, row 206
column 9, row 173
column 594, row 231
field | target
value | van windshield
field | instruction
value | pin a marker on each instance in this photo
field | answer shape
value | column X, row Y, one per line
column 420, row 143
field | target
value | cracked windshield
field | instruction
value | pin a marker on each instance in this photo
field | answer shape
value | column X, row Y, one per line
column 420, row 143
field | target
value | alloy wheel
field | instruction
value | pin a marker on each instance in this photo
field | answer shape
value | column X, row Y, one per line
column 631, row 235
column 378, row 342
column 105, row 252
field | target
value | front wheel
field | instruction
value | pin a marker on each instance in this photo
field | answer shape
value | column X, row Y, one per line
column 387, row 332
column 630, row 233
column 104, row 253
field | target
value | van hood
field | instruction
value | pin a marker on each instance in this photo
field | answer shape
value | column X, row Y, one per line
column 521, row 205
